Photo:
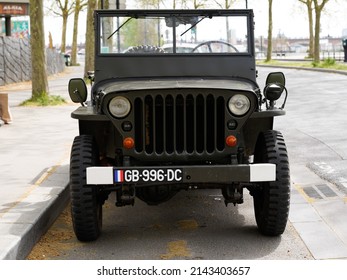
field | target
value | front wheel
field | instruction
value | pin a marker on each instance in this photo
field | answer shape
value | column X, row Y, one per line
column 272, row 199
column 86, row 202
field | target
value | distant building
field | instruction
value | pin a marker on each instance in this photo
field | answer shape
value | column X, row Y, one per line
column 299, row 48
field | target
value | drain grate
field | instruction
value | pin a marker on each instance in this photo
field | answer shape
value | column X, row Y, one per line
column 326, row 190
column 319, row 191
column 312, row 192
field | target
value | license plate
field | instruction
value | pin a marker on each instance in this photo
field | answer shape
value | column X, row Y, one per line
column 152, row 175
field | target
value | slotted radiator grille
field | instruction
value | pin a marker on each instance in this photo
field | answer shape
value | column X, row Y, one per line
column 180, row 124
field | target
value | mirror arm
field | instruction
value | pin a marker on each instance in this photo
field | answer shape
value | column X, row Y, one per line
column 79, row 95
column 285, row 99
column 91, row 76
column 271, row 104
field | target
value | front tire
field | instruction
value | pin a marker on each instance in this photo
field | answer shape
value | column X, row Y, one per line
column 86, row 204
column 272, row 199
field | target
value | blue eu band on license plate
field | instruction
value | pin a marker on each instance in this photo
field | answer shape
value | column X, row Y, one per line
column 152, row 175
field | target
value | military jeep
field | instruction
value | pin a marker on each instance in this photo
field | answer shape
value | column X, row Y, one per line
column 159, row 120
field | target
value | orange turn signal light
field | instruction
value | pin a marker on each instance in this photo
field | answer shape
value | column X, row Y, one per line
column 231, row 141
column 128, row 143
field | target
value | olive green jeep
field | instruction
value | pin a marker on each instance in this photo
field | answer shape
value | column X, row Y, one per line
column 175, row 105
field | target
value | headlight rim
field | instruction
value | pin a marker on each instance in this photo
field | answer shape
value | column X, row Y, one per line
column 126, row 112
column 239, row 112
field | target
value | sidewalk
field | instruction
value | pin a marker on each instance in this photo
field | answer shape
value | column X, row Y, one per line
column 34, row 158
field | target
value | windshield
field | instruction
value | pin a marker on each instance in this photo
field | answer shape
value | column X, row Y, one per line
column 173, row 34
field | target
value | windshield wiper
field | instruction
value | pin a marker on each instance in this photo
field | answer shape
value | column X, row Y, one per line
column 195, row 24
column 129, row 19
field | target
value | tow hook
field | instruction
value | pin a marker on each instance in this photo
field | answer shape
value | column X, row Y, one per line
column 125, row 196
column 232, row 194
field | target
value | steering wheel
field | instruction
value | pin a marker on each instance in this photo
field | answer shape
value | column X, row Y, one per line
column 144, row 49
column 209, row 43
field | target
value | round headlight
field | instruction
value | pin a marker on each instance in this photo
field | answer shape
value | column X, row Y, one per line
column 119, row 107
column 239, row 104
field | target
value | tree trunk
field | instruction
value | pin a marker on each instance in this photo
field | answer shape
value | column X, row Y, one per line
column 309, row 6
column 228, row 6
column 269, row 34
column 50, row 43
column 311, row 34
column 37, row 42
column 90, row 39
column 318, row 10
column 75, row 33
column 316, row 53
column 108, row 29
column 63, row 33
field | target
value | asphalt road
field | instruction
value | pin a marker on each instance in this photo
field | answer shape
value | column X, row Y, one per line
column 315, row 125
column 197, row 225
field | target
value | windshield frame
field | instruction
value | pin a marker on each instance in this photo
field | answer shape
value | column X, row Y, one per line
column 175, row 14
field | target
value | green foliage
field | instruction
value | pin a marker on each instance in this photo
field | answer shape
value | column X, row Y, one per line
column 44, row 100
column 327, row 63
column 315, row 64
column 131, row 31
column 139, row 32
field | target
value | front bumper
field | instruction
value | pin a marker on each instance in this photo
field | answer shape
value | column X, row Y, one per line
column 149, row 175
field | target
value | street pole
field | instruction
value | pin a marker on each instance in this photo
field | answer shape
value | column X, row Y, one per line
column 118, row 37
column 8, row 25
column 246, row 4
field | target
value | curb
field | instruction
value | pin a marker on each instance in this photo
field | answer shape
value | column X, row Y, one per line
column 324, row 70
column 34, row 214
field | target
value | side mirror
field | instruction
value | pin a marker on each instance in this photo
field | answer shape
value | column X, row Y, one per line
column 275, row 85
column 78, row 90
column 276, row 78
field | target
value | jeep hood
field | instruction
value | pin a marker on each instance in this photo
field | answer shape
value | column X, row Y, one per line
column 191, row 83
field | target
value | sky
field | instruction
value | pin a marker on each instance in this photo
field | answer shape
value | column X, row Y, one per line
column 289, row 19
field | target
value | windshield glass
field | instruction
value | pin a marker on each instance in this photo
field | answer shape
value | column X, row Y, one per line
column 174, row 34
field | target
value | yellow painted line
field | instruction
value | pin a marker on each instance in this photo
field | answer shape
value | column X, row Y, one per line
column 176, row 249
column 32, row 187
column 188, row 224
column 301, row 191
column 45, row 175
